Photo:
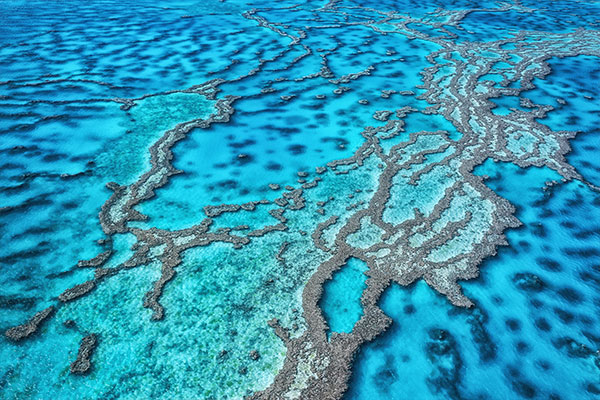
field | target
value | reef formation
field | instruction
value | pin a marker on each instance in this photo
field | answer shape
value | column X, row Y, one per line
column 404, row 198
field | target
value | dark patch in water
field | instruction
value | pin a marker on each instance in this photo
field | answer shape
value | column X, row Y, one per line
column 523, row 348
column 565, row 316
column 521, row 386
column 542, row 324
column 244, row 159
column 228, row 184
column 297, row 149
column 584, row 252
column 240, row 145
column 409, row 309
column 571, row 295
column 273, row 166
column 549, row 264
column 17, row 303
column 528, row 282
column 513, row 324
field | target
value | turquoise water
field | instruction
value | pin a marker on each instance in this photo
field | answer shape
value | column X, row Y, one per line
column 534, row 323
column 249, row 199
column 341, row 298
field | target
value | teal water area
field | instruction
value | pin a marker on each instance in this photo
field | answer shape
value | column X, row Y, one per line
column 341, row 296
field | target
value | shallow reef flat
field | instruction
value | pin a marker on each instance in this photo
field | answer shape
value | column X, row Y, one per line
column 270, row 200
